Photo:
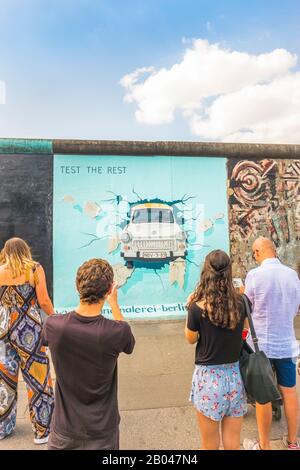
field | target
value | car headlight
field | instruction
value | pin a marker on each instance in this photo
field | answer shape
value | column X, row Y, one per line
column 181, row 236
column 125, row 237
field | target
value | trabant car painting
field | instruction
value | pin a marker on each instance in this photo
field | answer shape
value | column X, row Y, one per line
column 152, row 234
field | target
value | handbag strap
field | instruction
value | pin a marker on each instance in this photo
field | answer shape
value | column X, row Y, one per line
column 249, row 316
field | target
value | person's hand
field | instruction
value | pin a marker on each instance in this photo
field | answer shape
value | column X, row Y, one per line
column 112, row 298
column 298, row 368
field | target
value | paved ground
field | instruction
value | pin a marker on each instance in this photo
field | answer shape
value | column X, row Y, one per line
column 156, row 428
column 162, row 428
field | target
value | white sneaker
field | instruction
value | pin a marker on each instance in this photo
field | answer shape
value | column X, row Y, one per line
column 42, row 440
column 251, row 444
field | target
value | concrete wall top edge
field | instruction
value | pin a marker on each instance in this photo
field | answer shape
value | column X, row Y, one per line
column 175, row 148
column 149, row 148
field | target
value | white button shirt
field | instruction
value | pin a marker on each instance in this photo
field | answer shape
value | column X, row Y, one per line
column 274, row 291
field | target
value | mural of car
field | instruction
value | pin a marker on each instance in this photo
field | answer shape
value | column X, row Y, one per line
column 152, row 234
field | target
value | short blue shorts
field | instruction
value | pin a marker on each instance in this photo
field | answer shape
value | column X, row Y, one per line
column 285, row 370
column 218, row 391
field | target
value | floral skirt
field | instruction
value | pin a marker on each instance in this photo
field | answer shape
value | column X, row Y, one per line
column 218, row 391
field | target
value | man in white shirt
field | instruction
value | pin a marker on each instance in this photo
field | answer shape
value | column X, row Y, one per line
column 274, row 291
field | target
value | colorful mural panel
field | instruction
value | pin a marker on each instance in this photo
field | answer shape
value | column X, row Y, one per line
column 264, row 199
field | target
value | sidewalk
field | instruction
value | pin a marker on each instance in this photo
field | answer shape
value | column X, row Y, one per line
column 162, row 428
column 151, row 429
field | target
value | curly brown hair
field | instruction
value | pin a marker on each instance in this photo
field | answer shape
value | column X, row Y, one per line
column 93, row 280
column 217, row 291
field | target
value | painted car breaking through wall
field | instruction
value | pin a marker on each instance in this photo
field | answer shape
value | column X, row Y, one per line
column 154, row 221
column 153, row 209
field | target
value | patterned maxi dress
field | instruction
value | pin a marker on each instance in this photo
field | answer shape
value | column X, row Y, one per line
column 20, row 336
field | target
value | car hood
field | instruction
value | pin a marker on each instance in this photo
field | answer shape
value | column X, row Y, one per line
column 153, row 230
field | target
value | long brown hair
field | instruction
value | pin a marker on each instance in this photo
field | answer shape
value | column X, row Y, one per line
column 217, row 291
column 17, row 256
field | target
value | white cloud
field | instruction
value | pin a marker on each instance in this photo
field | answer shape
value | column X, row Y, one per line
column 2, row 92
column 264, row 112
column 224, row 95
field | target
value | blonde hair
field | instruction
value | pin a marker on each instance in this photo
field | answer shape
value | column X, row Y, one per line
column 17, row 256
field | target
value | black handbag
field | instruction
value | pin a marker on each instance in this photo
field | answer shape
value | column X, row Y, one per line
column 256, row 369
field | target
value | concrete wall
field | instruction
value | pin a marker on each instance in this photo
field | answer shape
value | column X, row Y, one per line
column 26, row 189
column 263, row 197
column 159, row 372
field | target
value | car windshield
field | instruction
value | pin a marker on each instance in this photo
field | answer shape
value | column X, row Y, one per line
column 142, row 216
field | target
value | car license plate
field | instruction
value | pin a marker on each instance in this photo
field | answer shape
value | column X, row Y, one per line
column 151, row 254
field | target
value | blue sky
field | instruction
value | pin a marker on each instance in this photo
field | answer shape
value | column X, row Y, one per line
column 62, row 61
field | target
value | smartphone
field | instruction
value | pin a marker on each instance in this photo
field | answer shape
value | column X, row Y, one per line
column 237, row 282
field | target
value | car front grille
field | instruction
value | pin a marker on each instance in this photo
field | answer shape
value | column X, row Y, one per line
column 154, row 244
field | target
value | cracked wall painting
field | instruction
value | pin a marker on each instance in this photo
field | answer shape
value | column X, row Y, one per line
column 153, row 218
column 264, row 199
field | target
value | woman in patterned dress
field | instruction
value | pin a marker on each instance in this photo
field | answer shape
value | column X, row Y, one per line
column 23, row 291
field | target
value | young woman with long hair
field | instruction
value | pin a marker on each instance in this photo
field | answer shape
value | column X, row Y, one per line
column 215, row 321
column 23, row 291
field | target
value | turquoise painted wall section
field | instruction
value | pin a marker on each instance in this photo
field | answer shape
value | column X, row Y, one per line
column 92, row 198
column 26, row 146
